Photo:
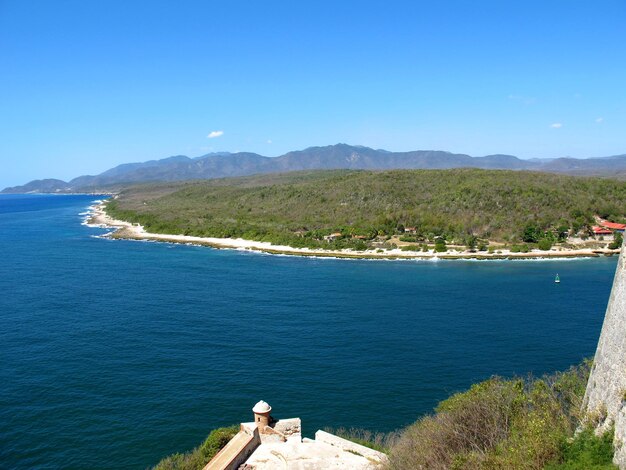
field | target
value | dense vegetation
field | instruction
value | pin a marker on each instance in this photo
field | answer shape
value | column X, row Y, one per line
column 501, row 424
column 463, row 206
column 512, row 424
column 496, row 424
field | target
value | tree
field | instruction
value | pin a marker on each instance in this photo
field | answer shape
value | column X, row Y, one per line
column 470, row 242
column 440, row 245
column 562, row 232
column 544, row 244
column 617, row 241
column 360, row 246
column 531, row 233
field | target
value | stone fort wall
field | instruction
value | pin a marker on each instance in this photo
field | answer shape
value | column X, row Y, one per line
column 605, row 397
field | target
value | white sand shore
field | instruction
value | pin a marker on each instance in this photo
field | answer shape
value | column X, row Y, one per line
column 97, row 217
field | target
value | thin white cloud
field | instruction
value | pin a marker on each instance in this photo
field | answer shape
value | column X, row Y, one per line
column 556, row 125
column 214, row 134
column 599, row 120
column 526, row 100
column 269, row 141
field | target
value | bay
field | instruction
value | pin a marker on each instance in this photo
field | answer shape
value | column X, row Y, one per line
column 114, row 354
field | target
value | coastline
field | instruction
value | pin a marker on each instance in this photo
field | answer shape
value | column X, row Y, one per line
column 96, row 216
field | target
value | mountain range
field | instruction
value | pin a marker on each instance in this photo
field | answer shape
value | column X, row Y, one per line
column 339, row 156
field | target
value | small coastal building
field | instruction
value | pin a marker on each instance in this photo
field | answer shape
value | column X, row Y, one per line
column 333, row 236
column 411, row 230
column 267, row 444
column 601, row 231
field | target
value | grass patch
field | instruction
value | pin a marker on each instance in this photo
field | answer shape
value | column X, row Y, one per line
column 374, row 440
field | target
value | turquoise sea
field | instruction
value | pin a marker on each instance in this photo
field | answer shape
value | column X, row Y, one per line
column 114, row 354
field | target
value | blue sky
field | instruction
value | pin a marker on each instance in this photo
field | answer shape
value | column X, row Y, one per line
column 88, row 85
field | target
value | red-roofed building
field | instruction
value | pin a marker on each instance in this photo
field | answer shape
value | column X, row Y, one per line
column 613, row 225
column 601, row 231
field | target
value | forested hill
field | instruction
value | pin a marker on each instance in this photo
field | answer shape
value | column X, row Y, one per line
column 300, row 208
column 339, row 156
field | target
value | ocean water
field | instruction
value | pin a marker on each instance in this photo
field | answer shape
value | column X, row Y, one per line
column 114, row 354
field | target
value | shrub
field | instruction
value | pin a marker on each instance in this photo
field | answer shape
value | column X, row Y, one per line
column 360, row 245
column 466, row 427
column 471, row 241
column 500, row 424
column 216, row 440
column 617, row 241
column 586, row 451
column 544, row 244
column 410, row 248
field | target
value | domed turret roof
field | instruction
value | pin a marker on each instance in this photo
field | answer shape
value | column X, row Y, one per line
column 261, row 407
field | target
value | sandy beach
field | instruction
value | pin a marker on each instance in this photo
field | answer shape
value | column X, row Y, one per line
column 97, row 217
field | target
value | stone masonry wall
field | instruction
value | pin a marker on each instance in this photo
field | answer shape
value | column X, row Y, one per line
column 605, row 397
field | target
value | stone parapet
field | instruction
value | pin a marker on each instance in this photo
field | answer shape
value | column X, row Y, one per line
column 237, row 451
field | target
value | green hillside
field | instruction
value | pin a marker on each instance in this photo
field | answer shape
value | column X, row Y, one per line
column 300, row 208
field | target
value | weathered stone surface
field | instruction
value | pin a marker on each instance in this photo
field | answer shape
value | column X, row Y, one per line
column 349, row 446
column 605, row 397
column 307, row 454
column 289, row 427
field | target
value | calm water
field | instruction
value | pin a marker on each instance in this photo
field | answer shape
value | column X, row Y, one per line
column 116, row 353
